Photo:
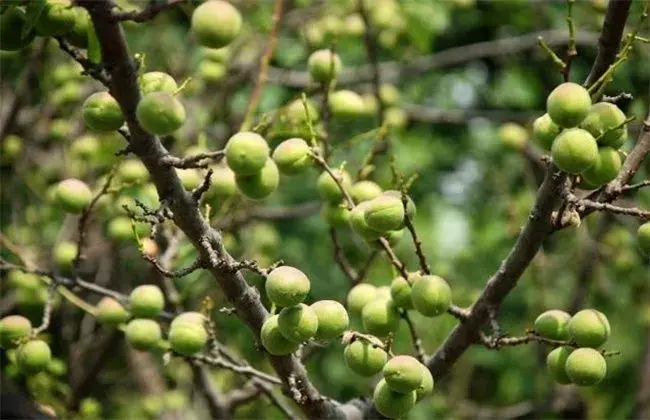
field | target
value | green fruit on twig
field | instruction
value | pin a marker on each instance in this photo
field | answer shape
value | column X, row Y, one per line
column 187, row 338
column 190, row 178
column 111, row 312
column 143, row 334
column 292, row 156
column 426, row 386
column 364, row 358
column 287, row 286
column 64, row 254
column 73, row 195
column 390, row 403
column 358, row 222
column 545, row 131
column 395, row 117
column 323, row 65
column 333, row 319
column 11, row 148
column 188, row 318
column 216, row 23
column 217, row 55
column 52, row 17
column 586, row 367
column 589, row 328
column 606, row 168
column 298, row 323
column 384, row 213
column 513, row 136
column 574, row 151
column 556, row 364
column 212, row 72
column 359, row 296
column 160, row 113
column 223, row 183
column 643, row 237
column 78, row 35
column 246, row 153
column 273, row 341
column 553, row 324
column 335, row 214
column 146, row 301
column 388, row 94
column 568, row 104
column 401, row 292
column 329, row 189
column 157, row 81
column 346, row 104
column 13, row 23
column 260, row 184
column 601, row 120
column 132, row 171
column 364, row 191
column 12, row 329
column 403, row 374
column 33, row 356
column 380, row 317
column 101, row 112
column 431, row 295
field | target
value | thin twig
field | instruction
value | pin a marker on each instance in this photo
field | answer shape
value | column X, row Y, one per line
column 244, row 370
column 417, row 243
column 148, row 13
column 340, row 258
column 415, row 338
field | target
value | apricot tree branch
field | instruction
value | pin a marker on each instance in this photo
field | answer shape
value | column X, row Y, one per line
column 149, row 12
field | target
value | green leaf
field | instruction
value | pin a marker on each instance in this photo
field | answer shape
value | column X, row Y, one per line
column 94, row 51
column 34, row 11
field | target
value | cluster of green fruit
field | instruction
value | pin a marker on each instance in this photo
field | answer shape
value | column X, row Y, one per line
column 30, row 292
column 287, row 287
column 583, row 138
column 587, row 330
column 33, row 355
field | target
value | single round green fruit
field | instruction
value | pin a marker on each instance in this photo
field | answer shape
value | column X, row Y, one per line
column 380, row 317
column 364, row 358
column 187, row 338
column 73, row 195
column 601, row 120
column 568, row 104
column 335, row 214
column 56, row 367
column 223, row 183
column 292, row 156
column 260, row 184
column 101, row 112
column 324, row 65
column 346, row 104
column 18, row 280
column 556, row 363
column 589, row 328
column 212, row 72
column 359, row 296
column 545, row 131
column 13, row 23
column 246, row 153
column 333, row 319
column 296, row 113
column 111, row 312
column 64, row 254
column 287, row 286
column 12, row 147
column 120, row 229
column 410, row 205
column 400, row 291
column 133, row 171
column 12, row 329
column 364, row 191
column 513, row 136
column 195, row 318
column 143, row 334
column 146, row 301
column 78, row 35
column 359, row 225
column 431, row 295
column 606, row 168
column 643, row 237
column 216, row 23
column 273, row 341
column 85, row 148
column 217, row 55
column 33, row 356
column 52, row 17
column 395, row 117
column 329, row 189
column 390, row 403
column 384, row 213
column 157, row 81
column 574, row 151
column 388, row 94
column 403, row 374
column 426, row 386
column 190, row 178
column 586, row 367
column 160, row 113
column 553, row 324
column 298, row 323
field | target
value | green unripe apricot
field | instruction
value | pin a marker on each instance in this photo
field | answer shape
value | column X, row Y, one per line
column 273, row 341
column 296, row 113
column 603, row 117
column 217, row 55
column 359, row 225
column 12, row 25
column 332, row 317
column 101, row 112
column 335, row 214
column 73, row 195
column 120, row 229
column 78, row 35
column 574, row 151
column 426, row 386
column 56, row 17
column 568, row 104
column 364, row 191
column 146, row 301
column 212, row 72
column 643, row 237
column 12, row 147
column 384, row 213
column 329, row 189
column 111, row 312
column 395, row 116
column 410, row 205
column 85, row 147
column 323, row 65
column 56, row 367
column 216, row 23
column 553, row 324
column 246, row 153
column 12, row 329
column 606, row 167
column 132, row 171
column 364, row 358
column 287, row 286
column 292, row 156
column 190, row 178
column 545, row 131
column 64, row 254
column 390, row 403
column 380, row 317
column 403, row 374
column 556, row 364
column 143, row 334
column 19, row 280
column 157, row 81
column 346, row 104
column 187, row 338
column 188, row 318
column 298, row 323
column 260, row 184
column 34, row 356
column 589, row 328
column 223, row 183
column 513, row 136
column 160, row 113
column 431, row 295
column 400, row 291
column 388, row 94
column 359, row 296
column 586, row 367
